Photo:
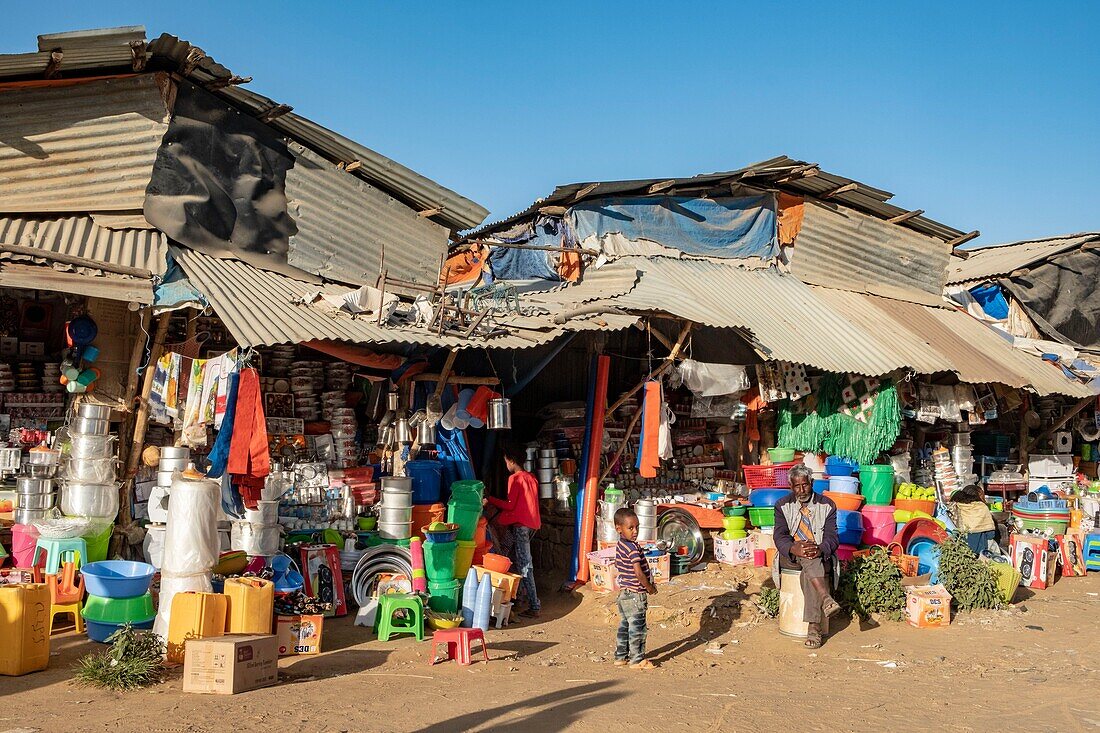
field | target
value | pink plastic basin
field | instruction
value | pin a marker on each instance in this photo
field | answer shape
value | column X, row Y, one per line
column 879, row 526
column 844, row 552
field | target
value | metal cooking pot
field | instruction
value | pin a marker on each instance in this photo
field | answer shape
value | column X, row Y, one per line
column 173, row 464
column 400, row 484
column 89, row 426
column 174, row 451
column 29, row 516
column 500, row 414
column 164, row 478
column 39, row 471
column 548, row 453
column 546, row 491
column 90, row 500
column 548, row 462
column 37, row 501
column 37, row 457
column 93, row 412
column 92, row 470
column 392, row 401
column 255, row 539
column 425, row 433
column 26, row 485
column 401, row 432
column 398, row 531
column 547, row 475
column 394, row 515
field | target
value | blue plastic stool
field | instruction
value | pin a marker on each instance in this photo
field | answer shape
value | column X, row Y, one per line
column 55, row 550
column 1092, row 551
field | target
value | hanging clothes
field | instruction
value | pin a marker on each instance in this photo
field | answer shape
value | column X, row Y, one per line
column 248, row 449
column 649, row 448
column 754, row 403
column 194, row 430
column 219, row 453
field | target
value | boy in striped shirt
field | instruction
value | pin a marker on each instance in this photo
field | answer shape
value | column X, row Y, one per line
column 634, row 585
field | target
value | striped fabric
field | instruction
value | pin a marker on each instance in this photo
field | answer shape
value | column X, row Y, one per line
column 804, row 531
column 628, row 553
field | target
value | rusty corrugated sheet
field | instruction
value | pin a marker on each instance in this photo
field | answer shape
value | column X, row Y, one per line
column 100, row 285
column 81, row 147
column 1002, row 259
column 262, row 308
column 344, row 224
column 842, row 248
column 80, row 236
column 613, row 279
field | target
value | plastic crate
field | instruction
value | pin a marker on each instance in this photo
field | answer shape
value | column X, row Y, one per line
column 1041, row 505
column 767, row 477
column 1050, row 466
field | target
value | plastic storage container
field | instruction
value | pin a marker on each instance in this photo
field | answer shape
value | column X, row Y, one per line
column 465, row 514
column 821, row 485
column 23, row 539
column 849, row 527
column 251, row 605
column 425, row 514
column 427, row 480
column 439, row 560
column 195, row 616
column 117, row 578
column 444, row 597
column 844, row 484
column 762, row 516
column 24, row 628
column 879, row 526
column 767, row 497
column 837, row 466
column 464, row 557
column 876, row 483
column 99, row 544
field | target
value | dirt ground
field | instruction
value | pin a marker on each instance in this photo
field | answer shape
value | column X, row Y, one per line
column 722, row 668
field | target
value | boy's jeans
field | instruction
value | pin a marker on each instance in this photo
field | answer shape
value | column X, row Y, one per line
column 630, row 640
column 524, row 565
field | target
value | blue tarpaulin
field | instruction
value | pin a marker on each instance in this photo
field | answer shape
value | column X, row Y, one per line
column 992, row 300
column 733, row 227
column 525, row 264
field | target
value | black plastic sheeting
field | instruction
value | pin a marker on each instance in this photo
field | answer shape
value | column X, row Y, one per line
column 219, row 183
column 1062, row 296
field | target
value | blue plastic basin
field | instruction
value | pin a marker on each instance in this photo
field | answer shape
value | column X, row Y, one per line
column 117, row 578
column 849, row 527
column 767, row 497
column 99, row 631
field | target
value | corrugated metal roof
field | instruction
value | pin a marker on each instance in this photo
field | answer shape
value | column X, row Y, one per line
column 344, row 224
column 839, row 247
column 99, row 285
column 116, row 57
column 616, row 278
column 781, row 172
column 79, row 236
column 81, row 147
column 1002, row 259
column 262, row 308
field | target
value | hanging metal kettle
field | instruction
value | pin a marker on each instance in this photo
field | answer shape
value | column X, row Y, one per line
column 500, row 414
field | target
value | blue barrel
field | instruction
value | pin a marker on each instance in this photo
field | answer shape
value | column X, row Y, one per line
column 427, row 480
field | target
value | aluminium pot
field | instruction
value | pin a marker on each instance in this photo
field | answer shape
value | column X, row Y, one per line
column 93, row 412
column 90, row 500
column 255, row 539
column 92, row 470
column 164, row 478
column 397, row 484
column 645, row 508
column 90, row 426
column 39, row 457
column 548, row 462
column 173, row 464
column 547, row 475
column 546, row 491
column 37, row 501
column 395, row 531
column 266, row 512
column 32, row 471
column 548, row 453
column 27, row 485
column 91, row 446
column 30, row 516
column 175, row 451
column 500, row 414
column 394, row 515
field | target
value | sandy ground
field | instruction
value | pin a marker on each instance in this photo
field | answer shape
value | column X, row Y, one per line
column 1032, row 668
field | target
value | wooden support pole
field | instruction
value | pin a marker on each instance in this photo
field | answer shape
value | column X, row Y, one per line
column 455, row 379
column 445, row 373
column 840, row 189
column 141, row 412
column 68, row 259
column 906, row 216
column 1058, row 425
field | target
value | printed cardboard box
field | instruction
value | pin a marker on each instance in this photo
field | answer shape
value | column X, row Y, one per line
column 227, row 665
column 927, row 606
column 299, row 634
column 733, row 552
column 1071, row 553
column 603, row 576
column 1032, row 557
column 324, row 579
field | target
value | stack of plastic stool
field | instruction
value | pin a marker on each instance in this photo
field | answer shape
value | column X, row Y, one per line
column 54, row 550
column 1092, row 551
column 67, row 595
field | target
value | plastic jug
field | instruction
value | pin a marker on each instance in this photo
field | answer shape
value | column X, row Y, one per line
column 195, row 616
column 251, row 604
column 24, row 628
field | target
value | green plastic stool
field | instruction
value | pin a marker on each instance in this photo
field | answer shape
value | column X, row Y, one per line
column 388, row 604
column 54, row 550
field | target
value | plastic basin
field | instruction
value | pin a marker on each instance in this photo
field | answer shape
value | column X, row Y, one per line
column 837, row 466
column 781, row 455
column 843, row 484
column 928, row 556
column 101, row 631
column 879, row 526
column 117, row 578
column 876, row 483
column 767, row 497
column 915, row 505
column 496, row 563
column 119, row 610
column 762, row 516
column 734, row 522
column 441, row 535
column 734, row 511
column 847, row 502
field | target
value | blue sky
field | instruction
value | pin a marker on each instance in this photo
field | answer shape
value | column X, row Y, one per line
column 985, row 114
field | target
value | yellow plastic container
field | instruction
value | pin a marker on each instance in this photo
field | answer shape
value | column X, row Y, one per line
column 24, row 628
column 251, row 605
column 195, row 616
column 464, row 558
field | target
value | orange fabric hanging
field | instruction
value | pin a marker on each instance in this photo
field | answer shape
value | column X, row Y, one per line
column 649, row 461
column 791, row 211
column 248, row 448
column 755, row 404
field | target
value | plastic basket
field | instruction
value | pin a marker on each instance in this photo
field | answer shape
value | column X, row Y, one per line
column 767, row 477
column 1042, row 505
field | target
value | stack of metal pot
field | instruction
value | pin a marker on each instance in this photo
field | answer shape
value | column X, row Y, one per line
column 646, row 510
column 259, row 533
column 89, row 488
column 962, row 458
column 35, row 485
column 172, row 459
column 395, row 511
column 546, row 472
column 612, row 501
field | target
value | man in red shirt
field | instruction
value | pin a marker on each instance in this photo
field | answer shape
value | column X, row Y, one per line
column 520, row 517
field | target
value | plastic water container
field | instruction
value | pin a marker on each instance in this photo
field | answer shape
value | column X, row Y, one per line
column 444, row 596
column 849, row 527
column 99, row 544
column 24, row 628
column 427, row 481
column 23, row 539
column 195, row 616
column 251, row 604
column 439, row 561
column 471, row 491
column 466, row 515
column 879, row 526
column 464, row 557
column 844, row 484
column 425, row 514
column 876, row 483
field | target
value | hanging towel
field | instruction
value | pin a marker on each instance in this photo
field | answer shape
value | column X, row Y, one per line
column 648, row 452
column 248, row 449
column 664, row 448
column 219, row 453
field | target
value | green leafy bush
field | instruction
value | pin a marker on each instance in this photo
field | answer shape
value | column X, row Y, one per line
column 134, row 659
column 872, row 584
column 768, row 601
column 971, row 582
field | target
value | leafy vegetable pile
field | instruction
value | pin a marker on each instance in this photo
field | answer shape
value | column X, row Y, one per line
column 971, row 582
column 872, row 584
column 134, row 659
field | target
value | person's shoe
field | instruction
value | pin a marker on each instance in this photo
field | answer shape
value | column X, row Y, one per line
column 531, row 613
column 644, row 664
column 620, row 662
column 830, row 607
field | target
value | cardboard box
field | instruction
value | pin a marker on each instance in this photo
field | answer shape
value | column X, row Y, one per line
column 9, row 346
column 32, row 348
column 227, row 665
column 1031, row 555
column 927, row 606
column 733, row 552
column 604, row 576
column 1071, row 553
column 299, row 634
column 324, row 579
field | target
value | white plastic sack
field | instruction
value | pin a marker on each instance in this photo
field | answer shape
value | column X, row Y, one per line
column 191, row 543
column 710, row 380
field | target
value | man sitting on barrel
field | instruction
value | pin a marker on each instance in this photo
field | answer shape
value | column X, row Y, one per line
column 806, row 540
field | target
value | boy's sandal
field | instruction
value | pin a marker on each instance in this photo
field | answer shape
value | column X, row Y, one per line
column 644, row 664
column 620, row 662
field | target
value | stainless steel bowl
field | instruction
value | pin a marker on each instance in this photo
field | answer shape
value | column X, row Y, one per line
column 29, row 516
column 94, row 412
column 37, row 501
column 26, row 485
column 90, row 426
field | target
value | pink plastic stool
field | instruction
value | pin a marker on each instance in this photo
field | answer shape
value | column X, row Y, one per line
column 458, row 644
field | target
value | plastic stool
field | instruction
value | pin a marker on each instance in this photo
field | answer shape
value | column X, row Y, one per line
column 457, row 642
column 73, row 608
column 66, row 588
column 55, row 549
column 388, row 604
column 1092, row 551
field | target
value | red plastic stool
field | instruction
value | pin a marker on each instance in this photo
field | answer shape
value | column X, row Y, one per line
column 458, row 644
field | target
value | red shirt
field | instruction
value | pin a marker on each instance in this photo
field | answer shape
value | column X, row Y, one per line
column 522, row 504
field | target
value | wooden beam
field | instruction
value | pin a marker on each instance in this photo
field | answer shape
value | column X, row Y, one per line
column 430, row 212
column 353, row 166
column 805, row 171
column 906, row 216
column 1060, row 423
column 585, row 191
column 53, row 66
column 660, row 186
column 455, row 379
column 277, row 111
column 647, row 327
column 958, row 241
column 68, row 259
column 138, row 55
column 839, row 190
column 658, row 371
column 553, row 210
column 445, row 373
